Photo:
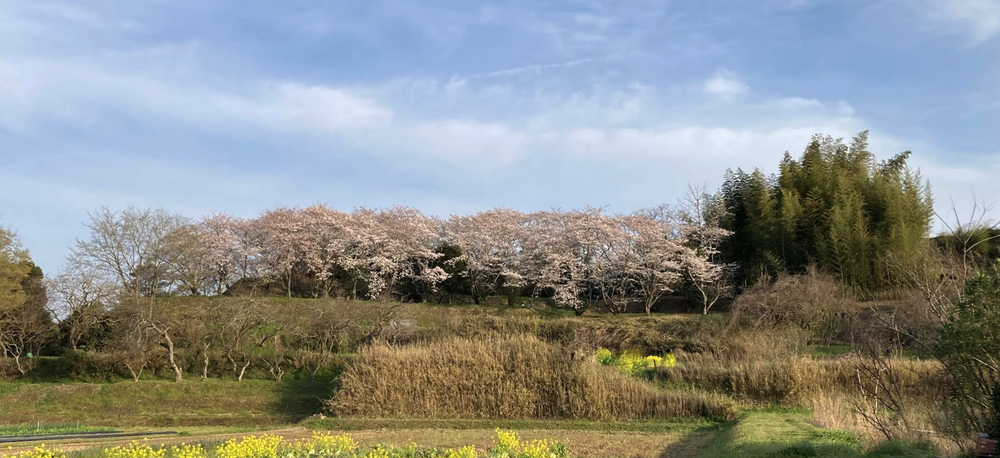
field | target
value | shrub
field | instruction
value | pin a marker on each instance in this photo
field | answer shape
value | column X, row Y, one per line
column 515, row 377
column 812, row 301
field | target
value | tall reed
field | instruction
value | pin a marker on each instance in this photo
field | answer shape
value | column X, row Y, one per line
column 505, row 377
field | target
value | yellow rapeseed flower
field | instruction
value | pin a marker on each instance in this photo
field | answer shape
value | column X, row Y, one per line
column 134, row 450
column 40, row 452
column 263, row 446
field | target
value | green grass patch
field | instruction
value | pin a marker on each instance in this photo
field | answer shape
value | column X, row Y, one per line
column 50, row 428
column 364, row 424
column 193, row 402
column 788, row 434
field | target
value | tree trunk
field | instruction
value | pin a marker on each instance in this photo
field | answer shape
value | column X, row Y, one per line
column 178, row 373
column 243, row 371
column 17, row 362
column 135, row 375
column 204, row 367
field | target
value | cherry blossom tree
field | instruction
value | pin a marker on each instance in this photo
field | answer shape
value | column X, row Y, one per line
column 614, row 264
column 561, row 248
column 234, row 248
column 386, row 246
column 491, row 244
column 282, row 231
column 324, row 243
column 699, row 223
column 412, row 247
column 655, row 266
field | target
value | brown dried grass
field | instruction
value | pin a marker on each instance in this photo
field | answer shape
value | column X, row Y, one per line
column 505, row 377
column 794, row 380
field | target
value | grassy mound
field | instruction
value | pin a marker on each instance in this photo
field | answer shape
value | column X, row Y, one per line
column 505, row 377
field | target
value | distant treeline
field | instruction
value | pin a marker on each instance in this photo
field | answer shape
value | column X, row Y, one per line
column 837, row 208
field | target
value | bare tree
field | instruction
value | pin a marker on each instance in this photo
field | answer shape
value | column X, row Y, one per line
column 241, row 334
column 78, row 299
column 188, row 262
column 129, row 246
column 134, row 340
column 23, row 329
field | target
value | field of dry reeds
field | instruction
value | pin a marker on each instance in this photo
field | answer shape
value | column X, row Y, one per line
column 506, row 377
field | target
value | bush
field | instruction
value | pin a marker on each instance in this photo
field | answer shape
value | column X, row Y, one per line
column 813, row 301
column 497, row 377
column 80, row 365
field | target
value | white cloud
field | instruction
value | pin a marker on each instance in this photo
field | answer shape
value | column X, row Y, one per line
column 293, row 106
column 794, row 103
column 478, row 140
column 724, row 85
column 470, row 143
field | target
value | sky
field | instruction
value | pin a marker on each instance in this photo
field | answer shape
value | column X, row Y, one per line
column 457, row 106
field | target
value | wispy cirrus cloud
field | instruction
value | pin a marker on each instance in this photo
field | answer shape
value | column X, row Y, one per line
column 535, row 68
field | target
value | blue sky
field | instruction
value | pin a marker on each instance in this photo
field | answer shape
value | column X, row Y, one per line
column 457, row 106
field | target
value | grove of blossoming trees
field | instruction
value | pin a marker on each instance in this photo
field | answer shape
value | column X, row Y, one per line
column 576, row 257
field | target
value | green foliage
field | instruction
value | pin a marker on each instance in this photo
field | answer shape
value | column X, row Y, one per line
column 57, row 428
column 836, row 206
column 969, row 345
column 15, row 267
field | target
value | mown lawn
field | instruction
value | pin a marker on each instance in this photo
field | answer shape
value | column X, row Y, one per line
column 789, row 434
